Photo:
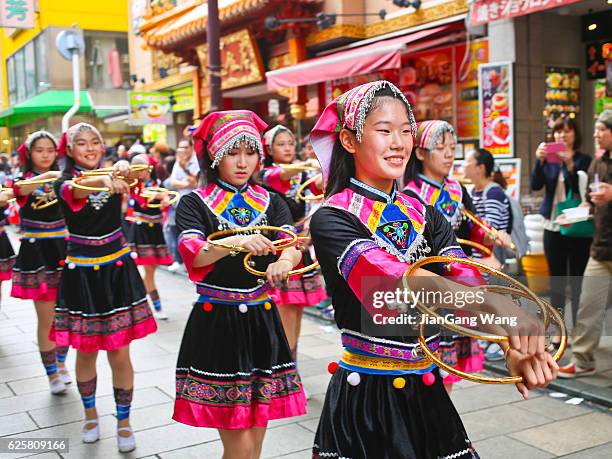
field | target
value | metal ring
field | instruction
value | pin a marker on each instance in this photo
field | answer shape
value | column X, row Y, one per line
column 107, row 170
column 300, row 192
column 98, row 189
column 484, row 249
column 43, row 205
column 3, row 188
column 158, row 189
column 293, row 272
column 489, row 230
column 465, row 331
column 297, row 167
column 235, row 249
column 35, row 181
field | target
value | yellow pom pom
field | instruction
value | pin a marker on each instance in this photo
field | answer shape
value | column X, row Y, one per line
column 267, row 305
column 96, row 267
column 399, row 383
column 151, row 225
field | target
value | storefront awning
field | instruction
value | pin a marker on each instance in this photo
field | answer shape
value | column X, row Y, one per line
column 47, row 103
column 382, row 55
column 485, row 11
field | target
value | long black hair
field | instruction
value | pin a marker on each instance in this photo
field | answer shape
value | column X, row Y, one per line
column 342, row 166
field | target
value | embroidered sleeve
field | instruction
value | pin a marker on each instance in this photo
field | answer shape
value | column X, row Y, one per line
column 272, row 178
column 67, row 194
column 21, row 200
column 190, row 243
column 192, row 239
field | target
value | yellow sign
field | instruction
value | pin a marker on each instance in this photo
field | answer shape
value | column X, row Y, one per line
column 240, row 60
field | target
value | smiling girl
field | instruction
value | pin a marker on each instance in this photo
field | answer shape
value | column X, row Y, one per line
column 234, row 372
column 37, row 271
column 102, row 303
column 384, row 399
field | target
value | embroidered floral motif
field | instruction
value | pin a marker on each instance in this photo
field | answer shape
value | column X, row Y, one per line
column 397, row 232
column 242, row 215
column 262, row 388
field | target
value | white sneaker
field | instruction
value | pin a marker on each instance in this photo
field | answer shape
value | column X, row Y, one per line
column 57, row 386
column 306, row 393
column 65, row 375
column 160, row 315
column 126, row 444
column 174, row 267
column 90, row 435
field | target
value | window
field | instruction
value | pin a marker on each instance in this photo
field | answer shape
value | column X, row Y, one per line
column 31, row 82
column 106, row 60
column 20, row 75
column 10, row 77
column 41, row 62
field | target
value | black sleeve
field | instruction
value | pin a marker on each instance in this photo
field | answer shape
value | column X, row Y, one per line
column 191, row 215
column 279, row 213
column 442, row 235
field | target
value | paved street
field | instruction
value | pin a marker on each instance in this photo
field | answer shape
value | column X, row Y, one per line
column 499, row 423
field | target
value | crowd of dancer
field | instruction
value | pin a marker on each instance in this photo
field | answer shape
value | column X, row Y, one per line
column 86, row 230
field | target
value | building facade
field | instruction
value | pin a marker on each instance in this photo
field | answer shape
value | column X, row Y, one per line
column 37, row 80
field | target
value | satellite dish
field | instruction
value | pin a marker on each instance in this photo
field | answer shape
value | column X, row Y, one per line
column 68, row 42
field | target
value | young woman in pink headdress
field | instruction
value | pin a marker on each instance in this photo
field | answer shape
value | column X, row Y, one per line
column 427, row 179
column 37, row 271
column 102, row 303
column 285, row 176
column 385, row 399
column 145, row 232
column 235, row 371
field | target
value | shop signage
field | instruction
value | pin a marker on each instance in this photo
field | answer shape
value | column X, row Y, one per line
column 510, row 169
column 561, row 94
column 241, row 62
column 17, row 14
column 466, row 71
column 598, row 54
column 149, row 108
column 485, row 11
column 495, row 102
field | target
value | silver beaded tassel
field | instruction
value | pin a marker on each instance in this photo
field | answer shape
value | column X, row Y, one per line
column 250, row 141
column 367, row 102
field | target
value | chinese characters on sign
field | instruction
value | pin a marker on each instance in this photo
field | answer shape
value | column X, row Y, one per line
column 17, row 14
column 495, row 101
column 485, row 11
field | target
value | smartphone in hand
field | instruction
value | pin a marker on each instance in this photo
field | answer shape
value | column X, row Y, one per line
column 552, row 151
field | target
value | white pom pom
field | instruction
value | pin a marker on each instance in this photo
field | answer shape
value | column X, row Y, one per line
column 71, row 265
column 138, row 222
column 353, row 379
column 243, row 308
column 32, row 240
column 134, row 255
column 443, row 374
column 132, row 202
column 7, row 212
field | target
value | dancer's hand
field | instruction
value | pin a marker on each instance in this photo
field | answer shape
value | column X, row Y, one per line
column 277, row 272
column 257, row 244
column 122, row 168
column 536, row 371
column 116, row 186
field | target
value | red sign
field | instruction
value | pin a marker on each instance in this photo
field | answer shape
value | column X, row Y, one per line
column 495, row 107
column 485, row 11
column 17, row 14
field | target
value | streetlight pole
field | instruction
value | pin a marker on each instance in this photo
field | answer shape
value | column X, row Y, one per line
column 214, row 55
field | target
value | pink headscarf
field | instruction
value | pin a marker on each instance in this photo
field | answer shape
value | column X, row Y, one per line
column 349, row 110
column 222, row 131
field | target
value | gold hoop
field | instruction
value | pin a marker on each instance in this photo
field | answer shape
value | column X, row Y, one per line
column 108, row 170
column 40, row 204
column 3, row 188
column 300, row 192
column 294, row 272
column 484, row 249
column 98, row 189
column 488, row 229
column 297, row 167
column 158, row 189
column 467, row 332
column 236, row 249
column 35, row 181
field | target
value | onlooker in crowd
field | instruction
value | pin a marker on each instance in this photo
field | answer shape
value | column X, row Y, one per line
column 184, row 179
column 159, row 151
column 597, row 282
column 15, row 164
column 561, row 174
column 122, row 152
